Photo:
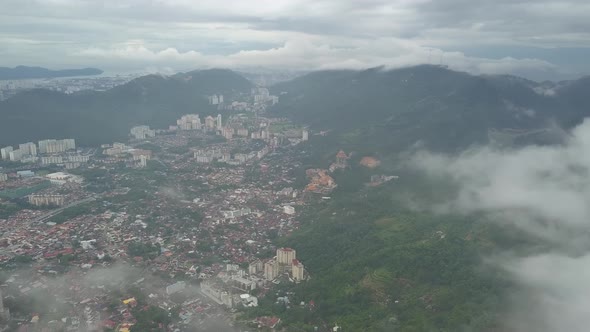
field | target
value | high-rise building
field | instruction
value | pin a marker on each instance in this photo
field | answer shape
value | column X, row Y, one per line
column 189, row 122
column 3, row 177
column 213, row 100
column 44, row 200
column 56, row 146
column 219, row 122
column 142, row 132
column 210, row 122
column 297, row 270
column 271, row 269
column 28, row 149
column 228, row 133
column 4, row 152
column 285, row 256
column 304, row 135
column 15, row 155
column 243, row 132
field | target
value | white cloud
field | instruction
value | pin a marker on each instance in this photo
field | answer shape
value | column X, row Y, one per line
column 235, row 32
column 545, row 192
column 313, row 54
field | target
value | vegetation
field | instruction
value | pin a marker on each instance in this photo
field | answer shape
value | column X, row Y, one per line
column 152, row 100
column 8, row 209
column 145, row 250
column 72, row 212
column 24, row 191
column 377, row 266
column 425, row 106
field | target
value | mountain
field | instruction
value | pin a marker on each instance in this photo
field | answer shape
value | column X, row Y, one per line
column 432, row 106
column 93, row 117
column 379, row 258
column 24, row 72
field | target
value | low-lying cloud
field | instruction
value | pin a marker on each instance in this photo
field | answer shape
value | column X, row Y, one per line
column 545, row 192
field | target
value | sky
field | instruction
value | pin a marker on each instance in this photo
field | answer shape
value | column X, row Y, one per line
column 544, row 192
column 538, row 39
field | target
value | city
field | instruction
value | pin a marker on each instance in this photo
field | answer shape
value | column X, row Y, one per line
column 191, row 210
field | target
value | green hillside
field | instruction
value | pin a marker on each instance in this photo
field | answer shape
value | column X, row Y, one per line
column 101, row 117
column 429, row 106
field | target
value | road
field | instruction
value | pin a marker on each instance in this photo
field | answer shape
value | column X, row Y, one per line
column 50, row 214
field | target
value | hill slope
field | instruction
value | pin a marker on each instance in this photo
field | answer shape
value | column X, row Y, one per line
column 430, row 105
column 99, row 117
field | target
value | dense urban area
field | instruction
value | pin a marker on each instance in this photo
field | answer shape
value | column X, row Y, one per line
column 174, row 230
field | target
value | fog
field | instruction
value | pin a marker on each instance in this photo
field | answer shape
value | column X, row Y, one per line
column 114, row 281
column 544, row 192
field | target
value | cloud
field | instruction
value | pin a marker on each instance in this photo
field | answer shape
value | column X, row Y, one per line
column 545, row 192
column 306, row 54
column 233, row 33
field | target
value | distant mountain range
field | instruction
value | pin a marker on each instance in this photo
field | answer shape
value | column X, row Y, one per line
column 433, row 107
column 375, row 109
column 93, row 117
column 24, row 72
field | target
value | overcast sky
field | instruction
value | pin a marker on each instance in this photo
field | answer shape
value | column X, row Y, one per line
column 541, row 39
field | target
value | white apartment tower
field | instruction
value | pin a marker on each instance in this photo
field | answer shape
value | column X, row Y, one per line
column 285, row 256
column 219, row 121
column 210, row 122
column 4, row 152
column 15, row 155
column 28, row 149
column 56, row 146
column 142, row 132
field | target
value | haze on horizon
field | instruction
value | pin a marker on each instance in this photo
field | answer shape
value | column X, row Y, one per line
column 537, row 39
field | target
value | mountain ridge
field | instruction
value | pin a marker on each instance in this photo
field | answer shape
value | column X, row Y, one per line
column 443, row 109
column 97, row 117
column 26, row 72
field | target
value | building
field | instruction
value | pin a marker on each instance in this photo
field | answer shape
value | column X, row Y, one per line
column 176, row 287
column 243, row 132
column 56, row 146
column 77, row 158
column 228, row 133
column 243, row 284
column 236, row 213
column 285, row 256
column 341, row 159
column 25, row 174
column 4, row 152
column 189, row 122
column 271, row 269
column 215, row 99
column 138, row 154
column 210, row 122
column 44, row 200
column 48, row 160
column 297, row 270
column 15, row 155
column 28, row 149
column 143, row 161
column 305, row 135
column 3, row 177
column 213, row 290
column 219, row 122
column 255, row 267
column 60, row 178
column 288, row 209
column 142, row 132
